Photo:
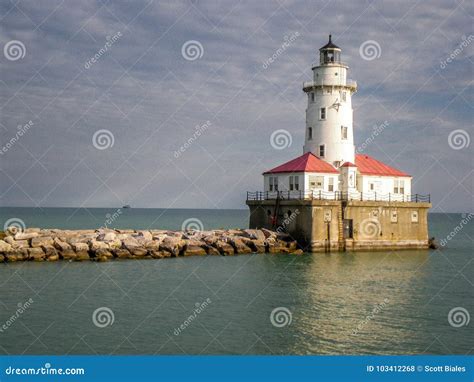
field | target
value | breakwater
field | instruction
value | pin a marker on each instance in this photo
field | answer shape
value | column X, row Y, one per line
column 35, row 244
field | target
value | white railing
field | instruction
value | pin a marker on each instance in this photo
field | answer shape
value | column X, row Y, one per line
column 309, row 84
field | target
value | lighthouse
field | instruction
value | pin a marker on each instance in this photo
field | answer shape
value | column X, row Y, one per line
column 329, row 129
column 330, row 198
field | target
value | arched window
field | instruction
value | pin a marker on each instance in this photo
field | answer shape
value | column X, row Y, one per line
column 310, row 133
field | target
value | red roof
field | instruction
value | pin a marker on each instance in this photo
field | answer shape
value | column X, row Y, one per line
column 348, row 164
column 305, row 163
column 370, row 166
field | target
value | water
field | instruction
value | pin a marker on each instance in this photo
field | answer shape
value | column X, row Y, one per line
column 362, row 303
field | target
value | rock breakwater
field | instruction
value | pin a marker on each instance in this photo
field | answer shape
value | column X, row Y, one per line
column 35, row 244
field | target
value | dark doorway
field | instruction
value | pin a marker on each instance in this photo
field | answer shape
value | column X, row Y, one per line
column 348, row 232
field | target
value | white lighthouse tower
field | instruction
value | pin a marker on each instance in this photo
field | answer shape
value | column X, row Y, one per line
column 329, row 133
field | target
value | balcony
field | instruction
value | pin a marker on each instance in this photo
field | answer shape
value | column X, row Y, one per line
column 310, row 84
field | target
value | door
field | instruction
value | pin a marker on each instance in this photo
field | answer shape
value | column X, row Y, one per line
column 347, row 228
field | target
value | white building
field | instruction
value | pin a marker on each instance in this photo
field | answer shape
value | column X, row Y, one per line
column 329, row 167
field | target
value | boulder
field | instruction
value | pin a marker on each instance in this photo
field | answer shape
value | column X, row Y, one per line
column 22, row 244
column 61, row 245
column 42, row 241
column 210, row 250
column 103, row 254
column 50, row 251
column 5, row 247
column 143, row 235
column 138, row 252
column 297, row 252
column 107, row 236
column 10, row 240
column 67, row 254
column 174, row 245
column 239, row 245
column 268, row 233
column 95, row 245
column 153, row 245
column 130, row 243
column 26, row 235
column 36, row 254
column 115, row 244
column 255, row 234
column 224, row 248
column 122, row 253
column 80, row 247
column 82, row 256
column 255, row 245
column 194, row 250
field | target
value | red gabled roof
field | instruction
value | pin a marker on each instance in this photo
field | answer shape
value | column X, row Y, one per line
column 370, row 166
column 305, row 163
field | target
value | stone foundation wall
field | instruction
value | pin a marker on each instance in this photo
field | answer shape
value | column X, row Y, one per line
column 34, row 244
column 317, row 224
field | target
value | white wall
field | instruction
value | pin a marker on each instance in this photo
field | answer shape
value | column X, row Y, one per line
column 328, row 131
column 304, row 183
column 383, row 186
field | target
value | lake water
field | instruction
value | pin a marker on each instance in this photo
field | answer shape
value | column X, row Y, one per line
column 394, row 302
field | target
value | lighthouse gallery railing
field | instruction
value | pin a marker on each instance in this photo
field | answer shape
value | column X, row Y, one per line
column 337, row 195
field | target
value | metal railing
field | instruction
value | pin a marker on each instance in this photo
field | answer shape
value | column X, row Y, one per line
column 337, row 195
column 309, row 84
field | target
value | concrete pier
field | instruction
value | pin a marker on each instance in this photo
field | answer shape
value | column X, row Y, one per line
column 345, row 225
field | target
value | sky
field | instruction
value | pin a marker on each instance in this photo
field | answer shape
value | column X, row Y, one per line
column 173, row 104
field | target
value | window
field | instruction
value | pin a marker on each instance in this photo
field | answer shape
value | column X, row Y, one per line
column 322, row 151
column 312, row 97
column 310, row 133
column 414, row 216
column 320, row 182
column 344, row 132
column 371, row 186
column 273, row 183
column 294, row 183
column 343, row 96
column 337, row 163
column 322, row 113
column 331, row 184
column 316, row 182
column 398, row 186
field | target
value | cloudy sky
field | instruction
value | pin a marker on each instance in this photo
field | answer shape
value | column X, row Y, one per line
column 171, row 66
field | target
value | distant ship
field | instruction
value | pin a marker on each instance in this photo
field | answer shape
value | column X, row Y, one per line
column 127, row 206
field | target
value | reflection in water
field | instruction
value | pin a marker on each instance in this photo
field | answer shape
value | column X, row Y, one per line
column 352, row 300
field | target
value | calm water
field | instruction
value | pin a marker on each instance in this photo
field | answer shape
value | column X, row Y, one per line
column 363, row 303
